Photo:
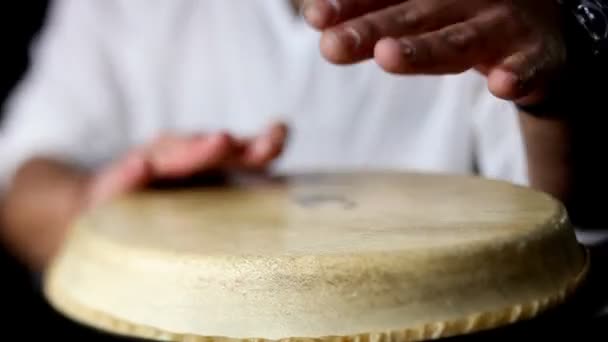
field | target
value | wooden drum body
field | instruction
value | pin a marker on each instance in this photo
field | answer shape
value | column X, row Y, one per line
column 383, row 257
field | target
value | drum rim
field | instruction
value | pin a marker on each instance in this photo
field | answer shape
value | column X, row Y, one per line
column 471, row 324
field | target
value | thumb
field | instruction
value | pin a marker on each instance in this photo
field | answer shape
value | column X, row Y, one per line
column 124, row 176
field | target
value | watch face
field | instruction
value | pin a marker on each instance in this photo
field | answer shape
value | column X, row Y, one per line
column 593, row 15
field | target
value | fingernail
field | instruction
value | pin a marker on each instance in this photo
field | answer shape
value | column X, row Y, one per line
column 408, row 19
column 354, row 36
column 510, row 79
column 262, row 147
column 278, row 133
column 341, row 43
column 513, row 80
column 218, row 138
column 320, row 13
column 312, row 14
column 335, row 5
column 135, row 165
column 408, row 50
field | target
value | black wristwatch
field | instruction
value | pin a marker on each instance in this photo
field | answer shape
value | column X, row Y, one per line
column 586, row 36
column 590, row 24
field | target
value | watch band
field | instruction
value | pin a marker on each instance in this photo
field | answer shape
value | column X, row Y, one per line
column 592, row 18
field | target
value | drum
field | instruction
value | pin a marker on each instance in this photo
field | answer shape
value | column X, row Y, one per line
column 323, row 257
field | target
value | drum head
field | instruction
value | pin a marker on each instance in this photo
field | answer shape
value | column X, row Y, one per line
column 388, row 256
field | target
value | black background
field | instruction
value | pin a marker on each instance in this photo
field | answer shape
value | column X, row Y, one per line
column 20, row 21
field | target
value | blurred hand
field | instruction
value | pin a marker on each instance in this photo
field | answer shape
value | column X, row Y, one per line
column 175, row 157
column 517, row 44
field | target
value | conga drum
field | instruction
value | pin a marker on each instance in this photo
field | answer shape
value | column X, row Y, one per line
column 324, row 257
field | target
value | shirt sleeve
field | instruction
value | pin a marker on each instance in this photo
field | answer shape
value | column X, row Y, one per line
column 68, row 106
column 498, row 139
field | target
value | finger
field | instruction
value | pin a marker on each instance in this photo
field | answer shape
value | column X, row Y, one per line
column 187, row 156
column 264, row 149
column 522, row 76
column 354, row 40
column 453, row 49
column 127, row 175
column 322, row 14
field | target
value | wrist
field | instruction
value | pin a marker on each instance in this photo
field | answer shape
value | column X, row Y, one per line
column 585, row 36
column 561, row 95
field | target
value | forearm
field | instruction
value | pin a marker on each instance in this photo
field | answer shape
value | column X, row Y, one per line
column 37, row 210
column 562, row 158
column 549, row 155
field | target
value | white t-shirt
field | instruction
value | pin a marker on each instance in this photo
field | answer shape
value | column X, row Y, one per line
column 111, row 74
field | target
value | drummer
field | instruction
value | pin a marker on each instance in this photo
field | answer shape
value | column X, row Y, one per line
column 123, row 93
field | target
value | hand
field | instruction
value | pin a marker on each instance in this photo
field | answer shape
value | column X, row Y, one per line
column 174, row 157
column 517, row 44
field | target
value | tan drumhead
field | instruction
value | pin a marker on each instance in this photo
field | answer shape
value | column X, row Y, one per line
column 390, row 256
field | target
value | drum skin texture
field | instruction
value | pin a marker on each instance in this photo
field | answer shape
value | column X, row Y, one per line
column 319, row 257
